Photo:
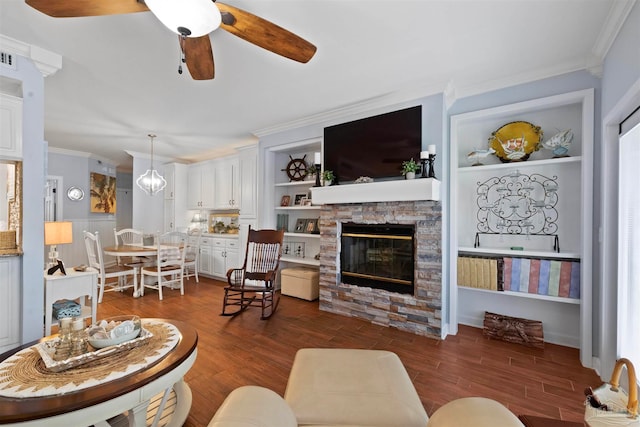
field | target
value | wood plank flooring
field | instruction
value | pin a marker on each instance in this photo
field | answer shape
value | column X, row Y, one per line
column 246, row 350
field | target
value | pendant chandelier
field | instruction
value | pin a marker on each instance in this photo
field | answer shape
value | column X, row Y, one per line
column 151, row 182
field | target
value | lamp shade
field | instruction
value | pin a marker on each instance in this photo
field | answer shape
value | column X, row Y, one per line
column 151, row 182
column 198, row 17
column 58, row 232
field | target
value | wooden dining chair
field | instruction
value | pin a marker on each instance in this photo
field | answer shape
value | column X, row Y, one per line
column 254, row 282
column 192, row 254
column 168, row 270
column 108, row 271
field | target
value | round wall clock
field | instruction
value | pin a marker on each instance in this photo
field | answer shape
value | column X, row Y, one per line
column 75, row 194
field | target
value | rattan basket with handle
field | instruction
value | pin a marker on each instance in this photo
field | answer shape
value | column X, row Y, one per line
column 615, row 408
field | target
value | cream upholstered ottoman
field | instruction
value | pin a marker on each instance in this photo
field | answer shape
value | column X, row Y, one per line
column 473, row 412
column 300, row 282
column 349, row 387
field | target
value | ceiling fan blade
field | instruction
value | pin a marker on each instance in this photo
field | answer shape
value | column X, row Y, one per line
column 199, row 57
column 265, row 34
column 75, row 8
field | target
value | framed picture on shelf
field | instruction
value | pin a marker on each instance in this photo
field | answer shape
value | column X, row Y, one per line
column 286, row 200
column 296, row 249
column 299, row 198
column 311, row 226
column 300, row 225
column 286, row 248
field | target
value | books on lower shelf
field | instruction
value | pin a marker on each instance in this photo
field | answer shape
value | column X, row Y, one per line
column 479, row 273
column 550, row 277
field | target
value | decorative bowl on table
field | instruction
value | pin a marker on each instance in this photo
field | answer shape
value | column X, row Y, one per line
column 113, row 331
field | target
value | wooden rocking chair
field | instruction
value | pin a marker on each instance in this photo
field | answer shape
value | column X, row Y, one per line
column 254, row 282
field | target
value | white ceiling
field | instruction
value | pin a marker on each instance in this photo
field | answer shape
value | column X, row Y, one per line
column 119, row 77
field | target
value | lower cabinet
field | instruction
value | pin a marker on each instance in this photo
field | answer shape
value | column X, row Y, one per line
column 217, row 255
column 9, row 302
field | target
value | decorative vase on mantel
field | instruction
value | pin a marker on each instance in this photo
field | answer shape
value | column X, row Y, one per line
column 410, row 175
column 327, row 183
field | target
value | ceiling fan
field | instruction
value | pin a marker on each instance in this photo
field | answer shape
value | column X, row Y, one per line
column 192, row 20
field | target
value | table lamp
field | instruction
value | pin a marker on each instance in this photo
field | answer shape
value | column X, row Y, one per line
column 57, row 233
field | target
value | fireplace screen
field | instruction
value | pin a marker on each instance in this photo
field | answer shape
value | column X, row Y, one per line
column 378, row 256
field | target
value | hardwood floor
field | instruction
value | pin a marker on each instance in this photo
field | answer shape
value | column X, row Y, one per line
column 246, row 350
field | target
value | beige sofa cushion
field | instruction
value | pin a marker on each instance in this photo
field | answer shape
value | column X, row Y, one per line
column 348, row 387
column 253, row 406
column 473, row 412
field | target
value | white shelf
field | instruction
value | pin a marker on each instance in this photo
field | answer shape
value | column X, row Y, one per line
column 524, row 295
column 298, row 208
column 520, row 165
column 295, row 184
column 291, row 234
column 508, row 252
column 304, row 261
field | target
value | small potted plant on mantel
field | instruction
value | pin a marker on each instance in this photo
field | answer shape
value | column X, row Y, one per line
column 328, row 177
column 409, row 168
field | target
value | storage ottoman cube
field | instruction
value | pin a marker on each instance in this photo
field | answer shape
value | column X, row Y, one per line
column 300, row 283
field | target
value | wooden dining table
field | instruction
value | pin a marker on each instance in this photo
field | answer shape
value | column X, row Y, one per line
column 130, row 393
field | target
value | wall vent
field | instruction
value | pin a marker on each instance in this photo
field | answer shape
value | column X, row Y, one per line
column 7, row 60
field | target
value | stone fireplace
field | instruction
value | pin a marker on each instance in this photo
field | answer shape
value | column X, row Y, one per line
column 420, row 310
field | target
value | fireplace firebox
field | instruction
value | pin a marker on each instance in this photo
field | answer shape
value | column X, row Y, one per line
column 378, row 256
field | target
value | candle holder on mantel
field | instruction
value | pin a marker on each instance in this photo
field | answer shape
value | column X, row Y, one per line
column 432, row 159
column 317, row 161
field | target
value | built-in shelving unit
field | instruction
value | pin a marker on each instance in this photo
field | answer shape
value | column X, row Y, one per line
column 566, row 321
column 300, row 248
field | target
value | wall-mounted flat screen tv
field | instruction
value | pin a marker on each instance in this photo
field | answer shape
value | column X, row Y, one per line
column 374, row 146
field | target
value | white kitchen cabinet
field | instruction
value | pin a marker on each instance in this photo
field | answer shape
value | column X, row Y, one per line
column 223, row 255
column 169, row 176
column 206, row 256
column 10, row 127
column 175, row 201
column 200, row 194
column 10, row 268
column 227, row 183
column 567, row 321
column 248, row 159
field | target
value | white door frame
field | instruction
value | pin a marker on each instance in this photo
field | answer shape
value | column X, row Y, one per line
column 53, row 198
column 608, row 233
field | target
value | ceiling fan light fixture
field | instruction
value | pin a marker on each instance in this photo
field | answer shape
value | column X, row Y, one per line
column 200, row 17
column 151, row 182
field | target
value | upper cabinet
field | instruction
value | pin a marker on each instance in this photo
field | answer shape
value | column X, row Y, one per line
column 201, row 178
column 10, row 127
column 248, row 159
column 175, row 201
column 227, row 183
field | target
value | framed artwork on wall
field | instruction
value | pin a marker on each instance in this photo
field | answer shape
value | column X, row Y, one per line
column 103, row 193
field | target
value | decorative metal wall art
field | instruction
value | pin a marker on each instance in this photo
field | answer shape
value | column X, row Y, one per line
column 518, row 204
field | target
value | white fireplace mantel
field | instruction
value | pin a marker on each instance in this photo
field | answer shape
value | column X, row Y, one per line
column 384, row 191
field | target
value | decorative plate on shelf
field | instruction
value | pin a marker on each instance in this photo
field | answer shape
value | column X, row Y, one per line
column 515, row 141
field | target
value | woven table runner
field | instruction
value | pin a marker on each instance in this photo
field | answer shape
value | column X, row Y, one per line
column 25, row 375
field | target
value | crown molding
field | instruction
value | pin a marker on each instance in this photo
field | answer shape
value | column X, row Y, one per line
column 616, row 18
column 46, row 61
column 83, row 154
column 406, row 94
